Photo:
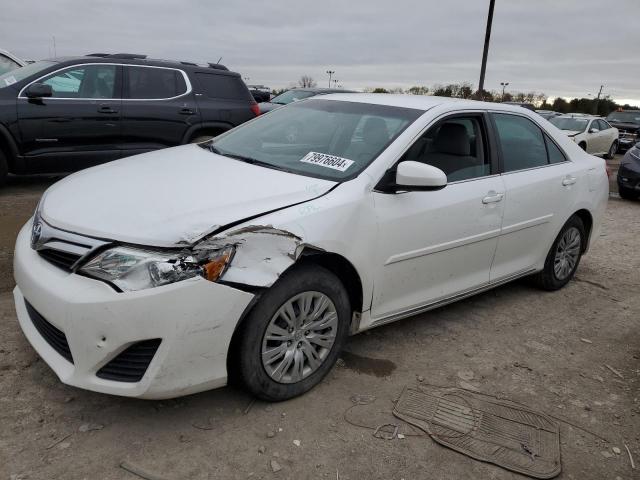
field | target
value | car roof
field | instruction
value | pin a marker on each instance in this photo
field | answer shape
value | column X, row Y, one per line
column 133, row 59
column 579, row 116
column 422, row 102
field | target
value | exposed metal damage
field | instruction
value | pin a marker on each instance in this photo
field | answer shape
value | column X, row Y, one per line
column 261, row 253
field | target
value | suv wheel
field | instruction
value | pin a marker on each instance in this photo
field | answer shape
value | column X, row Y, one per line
column 626, row 193
column 563, row 257
column 294, row 334
column 4, row 168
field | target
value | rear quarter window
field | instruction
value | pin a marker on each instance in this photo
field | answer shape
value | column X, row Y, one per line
column 222, row 86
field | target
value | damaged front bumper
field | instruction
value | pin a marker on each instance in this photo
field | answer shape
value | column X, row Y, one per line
column 105, row 331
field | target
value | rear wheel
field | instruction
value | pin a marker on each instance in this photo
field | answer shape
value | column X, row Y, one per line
column 612, row 150
column 627, row 194
column 4, row 169
column 294, row 334
column 563, row 257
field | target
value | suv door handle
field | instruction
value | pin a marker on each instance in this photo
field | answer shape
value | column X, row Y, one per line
column 186, row 111
column 106, row 109
column 493, row 197
column 569, row 180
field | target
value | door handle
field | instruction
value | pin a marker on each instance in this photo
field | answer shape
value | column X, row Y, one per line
column 106, row 109
column 493, row 197
column 186, row 111
column 569, row 180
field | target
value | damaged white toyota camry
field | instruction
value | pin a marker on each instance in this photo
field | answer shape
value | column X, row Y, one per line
column 255, row 255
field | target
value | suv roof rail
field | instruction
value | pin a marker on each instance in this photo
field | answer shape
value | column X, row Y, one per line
column 97, row 55
column 129, row 56
column 189, row 63
column 217, row 66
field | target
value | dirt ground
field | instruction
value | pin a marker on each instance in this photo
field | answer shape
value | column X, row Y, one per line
column 546, row 350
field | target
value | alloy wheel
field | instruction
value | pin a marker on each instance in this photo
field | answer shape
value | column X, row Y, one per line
column 299, row 337
column 567, row 253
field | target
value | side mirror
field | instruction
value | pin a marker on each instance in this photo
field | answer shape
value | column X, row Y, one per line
column 593, row 130
column 410, row 176
column 38, row 90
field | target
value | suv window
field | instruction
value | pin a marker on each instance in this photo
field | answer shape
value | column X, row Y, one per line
column 456, row 146
column 221, row 86
column 154, row 83
column 521, row 142
column 83, row 81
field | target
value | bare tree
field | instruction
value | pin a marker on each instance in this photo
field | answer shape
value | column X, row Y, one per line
column 306, row 82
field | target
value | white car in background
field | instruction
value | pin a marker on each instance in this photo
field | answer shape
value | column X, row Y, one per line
column 9, row 62
column 593, row 134
column 257, row 253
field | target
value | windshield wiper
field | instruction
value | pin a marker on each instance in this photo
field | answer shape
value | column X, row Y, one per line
column 254, row 161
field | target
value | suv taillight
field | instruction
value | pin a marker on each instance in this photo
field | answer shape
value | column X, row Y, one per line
column 255, row 109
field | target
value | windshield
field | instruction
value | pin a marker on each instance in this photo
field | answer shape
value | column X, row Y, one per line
column 325, row 139
column 292, row 96
column 21, row 73
column 573, row 124
column 629, row 117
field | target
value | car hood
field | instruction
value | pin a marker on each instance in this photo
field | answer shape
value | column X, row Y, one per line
column 571, row 133
column 171, row 197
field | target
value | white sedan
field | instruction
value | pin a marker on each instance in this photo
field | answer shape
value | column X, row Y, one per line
column 256, row 254
column 594, row 135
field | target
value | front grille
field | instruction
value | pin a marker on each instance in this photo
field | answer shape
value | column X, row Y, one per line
column 132, row 363
column 64, row 260
column 54, row 337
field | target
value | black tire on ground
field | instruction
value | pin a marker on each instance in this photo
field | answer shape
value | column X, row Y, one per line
column 547, row 278
column 612, row 150
column 626, row 193
column 4, row 169
column 303, row 278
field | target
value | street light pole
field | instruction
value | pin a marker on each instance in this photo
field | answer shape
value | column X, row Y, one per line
column 335, row 83
column 598, row 100
column 330, row 72
column 485, row 52
column 504, row 84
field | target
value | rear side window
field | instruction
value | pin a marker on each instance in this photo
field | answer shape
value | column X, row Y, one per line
column 521, row 142
column 222, row 86
column 154, row 83
column 555, row 154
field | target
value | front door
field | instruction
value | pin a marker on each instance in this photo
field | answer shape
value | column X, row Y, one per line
column 79, row 126
column 433, row 245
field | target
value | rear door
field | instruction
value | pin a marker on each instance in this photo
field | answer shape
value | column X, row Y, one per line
column 540, row 188
column 158, row 108
column 79, row 126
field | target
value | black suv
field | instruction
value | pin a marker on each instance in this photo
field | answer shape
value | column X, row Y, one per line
column 628, row 124
column 67, row 114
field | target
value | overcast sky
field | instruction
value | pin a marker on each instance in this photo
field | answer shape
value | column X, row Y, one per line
column 559, row 47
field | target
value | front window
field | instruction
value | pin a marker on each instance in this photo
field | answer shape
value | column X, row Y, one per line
column 628, row 117
column 84, row 81
column 292, row 96
column 326, row 139
column 571, row 124
column 21, row 73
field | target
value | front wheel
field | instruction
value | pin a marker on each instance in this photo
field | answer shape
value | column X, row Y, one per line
column 294, row 334
column 564, row 256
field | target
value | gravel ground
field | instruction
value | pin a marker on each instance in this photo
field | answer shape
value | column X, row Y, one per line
column 513, row 341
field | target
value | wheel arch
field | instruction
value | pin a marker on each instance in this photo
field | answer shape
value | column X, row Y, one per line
column 587, row 220
column 9, row 148
column 205, row 128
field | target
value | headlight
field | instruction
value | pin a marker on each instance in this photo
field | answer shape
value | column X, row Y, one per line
column 135, row 269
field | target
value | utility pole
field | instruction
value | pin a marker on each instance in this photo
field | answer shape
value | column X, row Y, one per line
column 55, row 51
column 485, row 52
column 330, row 73
column 504, row 84
column 598, row 100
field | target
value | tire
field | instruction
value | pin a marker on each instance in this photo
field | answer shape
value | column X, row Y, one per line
column 283, row 381
column 626, row 194
column 612, row 150
column 549, row 279
column 4, row 169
